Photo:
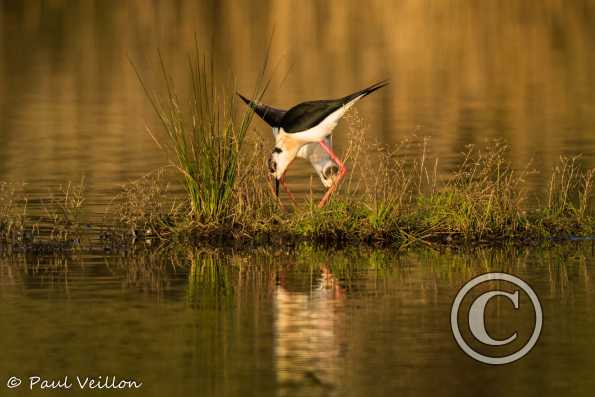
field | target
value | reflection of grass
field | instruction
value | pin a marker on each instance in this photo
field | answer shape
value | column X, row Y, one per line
column 219, row 279
column 209, row 279
column 144, row 270
column 53, row 270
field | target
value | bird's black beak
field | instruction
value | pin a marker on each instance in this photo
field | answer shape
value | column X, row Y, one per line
column 277, row 187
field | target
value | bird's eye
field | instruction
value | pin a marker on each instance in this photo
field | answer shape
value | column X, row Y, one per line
column 331, row 171
column 272, row 166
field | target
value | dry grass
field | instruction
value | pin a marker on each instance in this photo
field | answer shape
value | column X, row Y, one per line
column 58, row 228
column 485, row 197
column 64, row 211
column 144, row 208
column 392, row 196
column 569, row 204
column 13, row 211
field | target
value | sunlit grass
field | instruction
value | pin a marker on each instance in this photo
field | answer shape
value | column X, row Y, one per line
column 57, row 225
column 570, row 196
column 483, row 201
column 144, row 208
column 13, row 210
column 393, row 194
column 203, row 136
column 64, row 212
column 395, row 197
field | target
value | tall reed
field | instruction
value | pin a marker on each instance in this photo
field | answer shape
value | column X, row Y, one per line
column 203, row 136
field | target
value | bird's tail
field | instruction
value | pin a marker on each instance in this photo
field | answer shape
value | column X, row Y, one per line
column 269, row 114
column 366, row 91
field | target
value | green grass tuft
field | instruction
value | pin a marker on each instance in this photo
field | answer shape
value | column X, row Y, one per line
column 203, row 138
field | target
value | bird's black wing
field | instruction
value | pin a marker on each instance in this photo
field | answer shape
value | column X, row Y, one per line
column 271, row 115
column 306, row 115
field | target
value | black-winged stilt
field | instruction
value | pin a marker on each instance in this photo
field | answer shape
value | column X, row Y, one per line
column 311, row 122
column 320, row 160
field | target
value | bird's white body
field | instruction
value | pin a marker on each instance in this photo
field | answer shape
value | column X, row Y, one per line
column 324, row 166
column 322, row 163
column 323, row 129
column 292, row 143
column 303, row 130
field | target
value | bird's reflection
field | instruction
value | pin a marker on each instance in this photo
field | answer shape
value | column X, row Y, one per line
column 309, row 321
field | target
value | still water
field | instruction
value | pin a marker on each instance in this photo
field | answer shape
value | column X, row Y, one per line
column 311, row 321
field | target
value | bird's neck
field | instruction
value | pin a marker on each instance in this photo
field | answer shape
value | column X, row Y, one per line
column 288, row 143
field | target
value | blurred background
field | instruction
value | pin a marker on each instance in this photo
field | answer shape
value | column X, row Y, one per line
column 461, row 72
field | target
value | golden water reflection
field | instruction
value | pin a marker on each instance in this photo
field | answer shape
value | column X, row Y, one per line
column 312, row 321
column 309, row 334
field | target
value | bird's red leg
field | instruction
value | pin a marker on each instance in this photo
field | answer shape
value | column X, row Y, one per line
column 286, row 189
column 342, row 172
column 270, row 179
column 284, row 186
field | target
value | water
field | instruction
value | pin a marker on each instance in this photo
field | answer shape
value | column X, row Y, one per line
column 305, row 323
column 310, row 322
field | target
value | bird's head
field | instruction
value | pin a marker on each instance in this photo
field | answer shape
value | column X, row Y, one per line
column 325, row 167
column 328, row 174
column 278, row 163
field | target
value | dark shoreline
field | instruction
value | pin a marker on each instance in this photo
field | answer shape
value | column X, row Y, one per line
column 103, row 240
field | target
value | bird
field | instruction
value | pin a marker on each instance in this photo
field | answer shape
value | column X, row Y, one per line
column 320, row 160
column 311, row 122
